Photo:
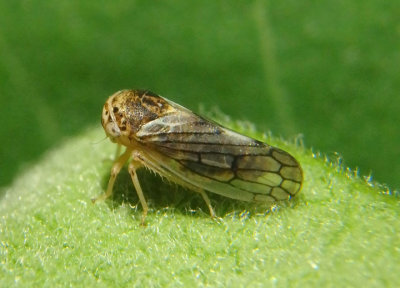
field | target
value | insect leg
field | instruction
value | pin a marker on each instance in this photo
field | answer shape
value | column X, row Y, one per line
column 149, row 163
column 132, row 171
column 114, row 172
column 118, row 151
column 208, row 202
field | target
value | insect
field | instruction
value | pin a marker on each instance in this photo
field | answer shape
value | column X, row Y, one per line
column 194, row 152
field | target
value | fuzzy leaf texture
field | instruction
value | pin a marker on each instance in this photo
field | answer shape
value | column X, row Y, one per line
column 340, row 231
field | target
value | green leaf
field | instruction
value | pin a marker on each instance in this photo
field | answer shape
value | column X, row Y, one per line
column 340, row 231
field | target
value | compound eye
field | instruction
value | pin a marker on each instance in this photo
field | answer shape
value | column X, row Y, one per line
column 112, row 130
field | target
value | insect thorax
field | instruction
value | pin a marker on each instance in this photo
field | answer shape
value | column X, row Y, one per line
column 131, row 109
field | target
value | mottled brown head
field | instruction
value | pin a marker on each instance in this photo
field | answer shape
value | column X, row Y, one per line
column 126, row 111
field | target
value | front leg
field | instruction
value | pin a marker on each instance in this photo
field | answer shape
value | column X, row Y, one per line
column 118, row 164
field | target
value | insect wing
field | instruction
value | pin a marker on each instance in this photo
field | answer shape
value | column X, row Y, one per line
column 203, row 155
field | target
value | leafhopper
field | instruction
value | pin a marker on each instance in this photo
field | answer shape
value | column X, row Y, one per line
column 194, row 152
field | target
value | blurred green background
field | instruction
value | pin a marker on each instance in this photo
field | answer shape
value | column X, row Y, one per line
column 326, row 69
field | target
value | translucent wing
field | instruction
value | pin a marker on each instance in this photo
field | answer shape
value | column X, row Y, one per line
column 201, row 154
